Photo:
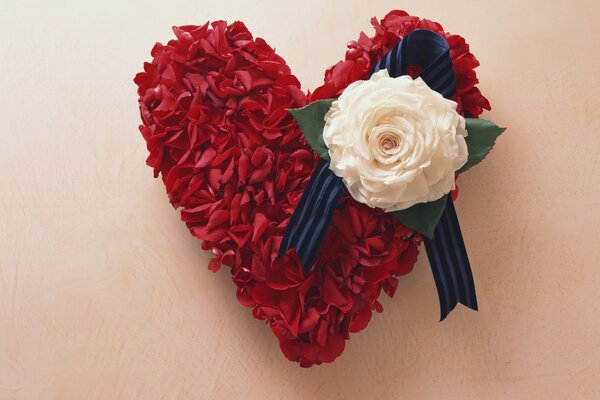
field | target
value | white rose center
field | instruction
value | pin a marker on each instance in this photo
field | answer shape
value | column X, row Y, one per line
column 386, row 143
column 389, row 142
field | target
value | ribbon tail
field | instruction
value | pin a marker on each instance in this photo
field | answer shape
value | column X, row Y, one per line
column 450, row 264
column 313, row 214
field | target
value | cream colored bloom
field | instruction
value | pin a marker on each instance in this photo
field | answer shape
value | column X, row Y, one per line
column 394, row 141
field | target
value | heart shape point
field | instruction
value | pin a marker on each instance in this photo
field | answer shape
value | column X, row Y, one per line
column 214, row 106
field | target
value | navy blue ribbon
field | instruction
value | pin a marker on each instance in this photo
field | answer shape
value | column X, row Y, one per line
column 427, row 50
column 312, row 216
column 446, row 251
column 450, row 264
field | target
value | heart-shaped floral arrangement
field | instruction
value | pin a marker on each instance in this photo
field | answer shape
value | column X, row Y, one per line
column 214, row 104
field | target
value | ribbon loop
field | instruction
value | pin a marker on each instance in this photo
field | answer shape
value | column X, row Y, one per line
column 446, row 251
column 426, row 50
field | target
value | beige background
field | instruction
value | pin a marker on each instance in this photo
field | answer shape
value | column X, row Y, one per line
column 104, row 294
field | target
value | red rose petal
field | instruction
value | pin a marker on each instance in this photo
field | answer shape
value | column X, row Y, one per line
column 260, row 225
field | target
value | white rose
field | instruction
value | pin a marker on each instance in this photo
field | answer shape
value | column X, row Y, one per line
column 394, row 141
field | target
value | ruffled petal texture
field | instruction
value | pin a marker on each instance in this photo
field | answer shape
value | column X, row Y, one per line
column 213, row 103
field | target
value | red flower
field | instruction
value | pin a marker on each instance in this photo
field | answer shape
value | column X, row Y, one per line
column 214, row 105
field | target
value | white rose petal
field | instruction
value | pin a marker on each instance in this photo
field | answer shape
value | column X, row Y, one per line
column 395, row 142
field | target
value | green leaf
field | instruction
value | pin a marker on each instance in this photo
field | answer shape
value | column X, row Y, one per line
column 422, row 217
column 481, row 139
column 311, row 119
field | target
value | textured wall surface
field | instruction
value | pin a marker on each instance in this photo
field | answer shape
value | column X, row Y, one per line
column 104, row 294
